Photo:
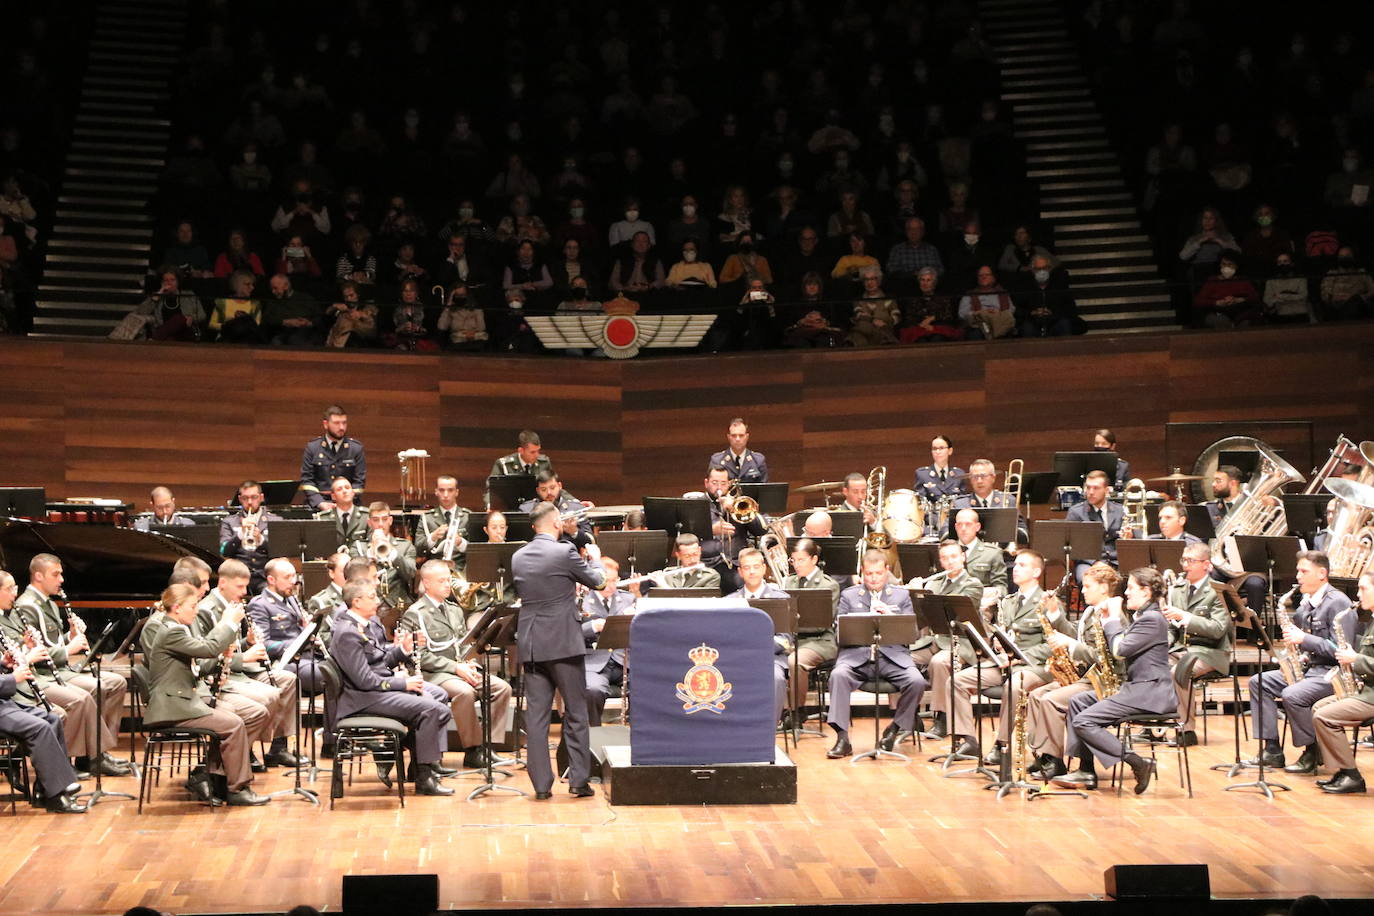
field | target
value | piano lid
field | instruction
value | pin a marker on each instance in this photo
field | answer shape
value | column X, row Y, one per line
column 99, row 561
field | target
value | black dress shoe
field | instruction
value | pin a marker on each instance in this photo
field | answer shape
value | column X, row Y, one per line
column 1142, row 769
column 1273, row 760
column 474, row 758
column 1346, row 784
column 1323, row 783
column 1036, row 765
column 841, row 747
column 64, row 804
column 543, row 796
column 384, row 773
column 969, row 748
column 1185, row 739
column 581, row 791
column 938, row 729
column 441, row 770
column 256, row 765
column 1052, row 768
column 427, row 783
column 1307, row 764
column 246, row 797
column 891, row 735
column 285, row 758
column 108, row 766
column 1078, row 779
column 995, row 758
column 200, row 785
column 327, row 750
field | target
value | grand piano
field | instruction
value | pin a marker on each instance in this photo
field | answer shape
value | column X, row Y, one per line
column 111, row 573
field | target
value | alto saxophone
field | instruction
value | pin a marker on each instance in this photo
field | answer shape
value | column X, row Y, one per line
column 1060, row 663
column 1291, row 664
column 1102, row 675
column 1344, row 681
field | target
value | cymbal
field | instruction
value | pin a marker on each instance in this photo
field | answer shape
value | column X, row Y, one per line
column 819, row 487
column 1175, row 478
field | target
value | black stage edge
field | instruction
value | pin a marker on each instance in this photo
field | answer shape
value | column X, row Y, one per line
column 715, row 784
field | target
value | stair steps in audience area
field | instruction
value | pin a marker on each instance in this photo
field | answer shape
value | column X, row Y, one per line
column 1083, row 196
column 102, row 237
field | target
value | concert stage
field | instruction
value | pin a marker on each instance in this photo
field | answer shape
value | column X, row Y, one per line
column 872, row 832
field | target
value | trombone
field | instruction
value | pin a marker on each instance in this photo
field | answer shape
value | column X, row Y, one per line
column 740, row 508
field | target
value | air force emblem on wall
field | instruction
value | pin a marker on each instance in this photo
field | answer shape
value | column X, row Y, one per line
column 703, row 687
column 619, row 336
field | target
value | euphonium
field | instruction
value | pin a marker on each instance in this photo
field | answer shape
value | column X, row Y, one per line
column 1350, row 543
column 1253, row 513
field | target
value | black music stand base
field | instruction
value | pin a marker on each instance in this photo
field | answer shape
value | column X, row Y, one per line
column 1259, row 782
column 298, row 790
column 99, row 793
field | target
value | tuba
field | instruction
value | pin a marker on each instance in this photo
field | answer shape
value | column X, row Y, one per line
column 1253, row 513
column 1350, row 543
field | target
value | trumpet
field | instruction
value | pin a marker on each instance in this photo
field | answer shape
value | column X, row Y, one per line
column 250, row 535
column 380, row 550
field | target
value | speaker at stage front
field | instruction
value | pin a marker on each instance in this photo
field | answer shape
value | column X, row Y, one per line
column 392, row 895
column 1158, row 882
column 702, row 687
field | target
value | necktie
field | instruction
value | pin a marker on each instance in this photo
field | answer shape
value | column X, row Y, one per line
column 448, row 517
column 942, row 476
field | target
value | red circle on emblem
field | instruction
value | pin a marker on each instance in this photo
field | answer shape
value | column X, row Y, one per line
column 621, row 332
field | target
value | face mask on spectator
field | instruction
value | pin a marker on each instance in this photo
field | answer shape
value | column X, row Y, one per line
column 1285, row 267
column 576, row 212
column 903, row 156
column 841, row 163
column 459, row 300
column 1042, row 275
column 412, row 120
column 746, row 246
column 1227, row 271
column 689, row 256
column 465, row 212
column 1346, row 260
column 785, row 166
column 631, row 215
column 1265, row 220
column 689, row 209
column 971, row 238
column 250, row 158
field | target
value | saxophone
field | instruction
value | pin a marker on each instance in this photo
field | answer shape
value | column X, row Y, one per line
column 1060, row 664
column 1018, row 739
column 1345, row 682
column 1290, row 663
column 1103, row 674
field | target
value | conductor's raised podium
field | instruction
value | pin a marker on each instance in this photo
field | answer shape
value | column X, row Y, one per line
column 703, row 728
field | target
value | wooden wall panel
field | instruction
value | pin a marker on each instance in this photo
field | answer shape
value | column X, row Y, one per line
column 107, row 419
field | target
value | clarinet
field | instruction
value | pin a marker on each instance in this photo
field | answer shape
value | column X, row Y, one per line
column 261, row 639
column 7, row 645
column 39, row 640
column 221, row 678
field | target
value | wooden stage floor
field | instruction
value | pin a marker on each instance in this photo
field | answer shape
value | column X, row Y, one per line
column 875, row 832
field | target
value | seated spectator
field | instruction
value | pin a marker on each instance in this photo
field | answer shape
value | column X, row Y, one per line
column 353, row 210
column 1201, row 253
column 1286, row 292
column 354, row 321
column 357, row 263
column 803, row 257
column 1017, row 257
column 577, row 227
column 1349, row 189
column 289, row 317
column 1347, row 289
column 1169, row 166
column 876, row 316
column 930, row 314
column 579, row 298
column 307, row 169
column 171, row 313
column 521, row 224
column 404, row 267
column 526, row 271
column 186, row 254
column 460, row 267
column 408, row 318
column 1228, row 162
column 516, row 179
column 464, row 325
column 965, row 256
column 9, row 246
column 401, row 223
column 1227, row 299
column 237, row 318
column 908, row 257
column 1266, row 242
column 812, row 329
column 248, row 174
column 958, row 214
column 467, row 224
column 510, row 330
column 746, row 263
column 304, row 214
column 1045, row 302
column 691, row 272
column 17, row 209
column 849, row 219
column 849, row 266
column 750, row 325
column 639, row 269
column 690, row 225
column 624, row 230
column 902, row 166
column 906, row 205
column 842, row 177
column 735, row 217
column 571, row 266
column 571, row 182
column 987, row 310
column 296, row 259
column 237, row 257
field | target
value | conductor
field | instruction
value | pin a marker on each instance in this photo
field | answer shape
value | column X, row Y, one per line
column 546, row 573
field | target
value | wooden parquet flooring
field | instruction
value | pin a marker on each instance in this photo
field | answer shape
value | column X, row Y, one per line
column 873, row 832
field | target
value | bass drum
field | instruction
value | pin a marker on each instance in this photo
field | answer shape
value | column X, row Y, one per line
column 903, row 516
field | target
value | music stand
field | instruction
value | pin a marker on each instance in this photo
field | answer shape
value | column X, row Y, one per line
column 274, row 493
column 1071, row 540
column 304, row 539
column 1038, row 487
column 205, row 537
column 1259, row 782
column 943, row 614
column 288, row 655
column 1235, row 606
column 517, row 527
column 847, row 524
column 491, row 563
column 509, row 492
column 93, row 660
column 1199, row 522
column 999, row 524
column 1072, row 467
column 815, row 616
column 838, row 555
column 783, row 612
column 28, row 502
column 1305, row 512
column 771, row 497
column 678, row 516
column 636, row 549
column 875, row 631
column 1006, row 778
column 616, row 635
column 918, row 560
column 1277, row 556
column 494, row 630
column 707, row 592
column 1133, row 553
column 981, row 640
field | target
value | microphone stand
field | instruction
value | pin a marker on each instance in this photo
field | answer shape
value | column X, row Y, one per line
column 93, row 662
